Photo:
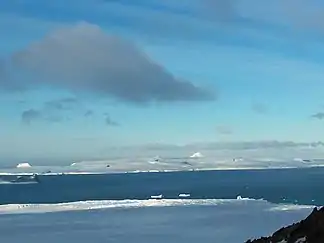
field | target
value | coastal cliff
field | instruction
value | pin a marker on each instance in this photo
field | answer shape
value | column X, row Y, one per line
column 309, row 230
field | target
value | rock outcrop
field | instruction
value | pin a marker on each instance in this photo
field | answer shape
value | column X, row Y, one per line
column 309, row 230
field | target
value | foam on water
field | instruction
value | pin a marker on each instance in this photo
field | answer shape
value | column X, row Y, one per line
column 18, row 183
column 159, row 221
column 52, row 173
column 105, row 204
column 5, row 182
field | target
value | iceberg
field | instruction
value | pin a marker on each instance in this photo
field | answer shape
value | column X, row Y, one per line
column 197, row 155
column 24, row 165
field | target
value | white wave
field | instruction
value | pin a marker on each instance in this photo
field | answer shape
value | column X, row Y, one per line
column 289, row 207
column 137, row 171
column 186, row 220
column 151, row 171
column 77, row 173
column 5, row 182
column 184, row 195
column 129, row 203
column 52, row 173
column 19, row 183
column 89, row 205
column 15, row 173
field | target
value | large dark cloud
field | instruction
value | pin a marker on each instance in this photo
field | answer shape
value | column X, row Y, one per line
column 84, row 58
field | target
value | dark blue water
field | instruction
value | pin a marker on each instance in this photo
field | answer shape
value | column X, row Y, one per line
column 300, row 186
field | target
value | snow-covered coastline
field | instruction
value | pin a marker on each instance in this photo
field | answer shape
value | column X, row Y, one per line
column 163, row 164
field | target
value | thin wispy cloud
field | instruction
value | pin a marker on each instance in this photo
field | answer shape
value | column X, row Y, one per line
column 265, row 144
column 260, row 108
column 224, row 130
column 32, row 115
column 318, row 115
column 219, row 10
column 144, row 13
column 56, row 118
column 29, row 116
column 89, row 113
column 62, row 104
column 253, row 24
column 110, row 122
column 53, row 111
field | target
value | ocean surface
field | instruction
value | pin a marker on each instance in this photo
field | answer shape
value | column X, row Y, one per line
column 208, row 206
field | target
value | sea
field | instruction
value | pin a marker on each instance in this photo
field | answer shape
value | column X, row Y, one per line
column 219, row 206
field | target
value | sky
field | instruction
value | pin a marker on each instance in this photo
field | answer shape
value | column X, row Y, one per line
column 77, row 78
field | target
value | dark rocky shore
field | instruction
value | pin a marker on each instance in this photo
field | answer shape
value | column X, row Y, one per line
column 309, row 230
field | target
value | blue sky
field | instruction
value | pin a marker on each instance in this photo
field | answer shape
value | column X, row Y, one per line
column 78, row 77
